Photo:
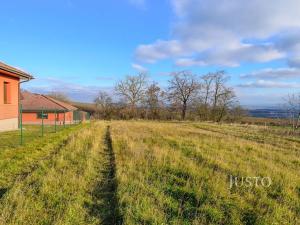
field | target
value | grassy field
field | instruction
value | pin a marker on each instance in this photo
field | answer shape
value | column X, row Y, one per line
column 30, row 133
column 142, row 172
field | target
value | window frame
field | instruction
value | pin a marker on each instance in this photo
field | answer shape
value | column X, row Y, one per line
column 40, row 116
column 6, row 93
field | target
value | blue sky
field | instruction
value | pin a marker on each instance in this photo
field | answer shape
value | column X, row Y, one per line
column 81, row 47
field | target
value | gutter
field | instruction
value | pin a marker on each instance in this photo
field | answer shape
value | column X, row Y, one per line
column 18, row 73
column 21, row 82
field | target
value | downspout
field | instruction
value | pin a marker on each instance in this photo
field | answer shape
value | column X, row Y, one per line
column 19, row 99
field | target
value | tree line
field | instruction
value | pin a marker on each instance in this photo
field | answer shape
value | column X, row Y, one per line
column 187, row 96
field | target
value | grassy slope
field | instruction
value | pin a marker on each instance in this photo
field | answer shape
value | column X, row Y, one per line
column 31, row 133
column 151, row 173
column 177, row 173
column 60, row 188
column 19, row 161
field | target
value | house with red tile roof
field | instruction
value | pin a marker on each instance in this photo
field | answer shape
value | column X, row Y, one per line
column 10, row 80
column 36, row 107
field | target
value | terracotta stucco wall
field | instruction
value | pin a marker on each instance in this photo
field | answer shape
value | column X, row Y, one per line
column 31, row 118
column 9, row 111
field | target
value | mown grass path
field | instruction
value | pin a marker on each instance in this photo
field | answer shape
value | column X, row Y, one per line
column 105, row 200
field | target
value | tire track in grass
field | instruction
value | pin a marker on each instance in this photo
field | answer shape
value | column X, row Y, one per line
column 2, row 192
column 48, row 194
column 106, row 203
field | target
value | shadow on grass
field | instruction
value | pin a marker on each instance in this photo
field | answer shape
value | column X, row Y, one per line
column 3, row 191
column 105, row 201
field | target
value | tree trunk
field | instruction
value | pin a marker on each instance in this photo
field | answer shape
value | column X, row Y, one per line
column 221, row 114
column 132, row 110
column 183, row 111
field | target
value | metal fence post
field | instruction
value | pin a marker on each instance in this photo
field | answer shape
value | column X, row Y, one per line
column 75, row 115
column 21, row 124
column 55, row 115
column 42, row 122
column 64, row 119
column 90, row 119
column 76, row 121
column 78, row 117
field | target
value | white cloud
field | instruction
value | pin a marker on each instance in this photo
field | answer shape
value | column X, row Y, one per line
column 216, row 32
column 294, row 61
column 139, row 68
column 159, row 50
column 269, row 73
column 229, row 56
column 270, row 84
column 267, row 97
column 76, row 92
column 289, row 41
column 243, row 18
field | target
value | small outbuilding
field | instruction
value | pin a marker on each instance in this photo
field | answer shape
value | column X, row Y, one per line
column 37, row 107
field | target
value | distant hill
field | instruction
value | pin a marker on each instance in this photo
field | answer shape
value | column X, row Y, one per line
column 268, row 113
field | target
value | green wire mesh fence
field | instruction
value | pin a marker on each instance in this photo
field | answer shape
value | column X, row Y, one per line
column 40, row 123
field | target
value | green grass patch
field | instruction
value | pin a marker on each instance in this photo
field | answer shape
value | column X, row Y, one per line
column 146, row 172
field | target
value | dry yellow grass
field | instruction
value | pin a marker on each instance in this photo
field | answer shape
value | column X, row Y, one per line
column 146, row 172
column 177, row 173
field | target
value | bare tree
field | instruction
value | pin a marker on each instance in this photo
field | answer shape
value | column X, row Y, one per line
column 225, row 101
column 103, row 104
column 219, row 88
column 209, row 97
column 153, row 100
column 182, row 88
column 222, row 96
column 132, row 90
column 215, row 98
column 206, row 84
column 205, row 97
column 292, row 104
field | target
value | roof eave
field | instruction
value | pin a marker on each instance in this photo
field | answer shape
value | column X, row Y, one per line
column 16, row 73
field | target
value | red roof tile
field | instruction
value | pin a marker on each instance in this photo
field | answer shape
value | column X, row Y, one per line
column 34, row 102
column 63, row 104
